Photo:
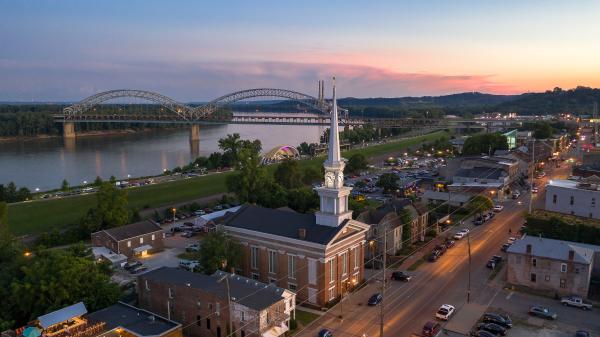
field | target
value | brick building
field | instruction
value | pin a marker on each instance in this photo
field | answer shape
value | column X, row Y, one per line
column 136, row 239
column 319, row 256
column 560, row 267
column 199, row 303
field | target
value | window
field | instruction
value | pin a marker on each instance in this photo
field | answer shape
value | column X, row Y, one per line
column 332, row 271
column 533, row 277
column 218, row 308
column 152, row 237
column 572, row 200
column 243, row 316
column 291, row 266
column 272, row 261
column 563, row 267
column 141, row 240
column 554, row 199
column 563, row 283
column 208, row 323
column 593, row 202
column 255, row 276
column 547, row 278
column 344, row 263
column 331, row 293
column 128, row 243
column 292, row 287
column 534, row 262
column 198, row 320
column 254, row 258
column 356, row 257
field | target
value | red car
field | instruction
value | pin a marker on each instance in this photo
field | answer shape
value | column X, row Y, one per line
column 430, row 329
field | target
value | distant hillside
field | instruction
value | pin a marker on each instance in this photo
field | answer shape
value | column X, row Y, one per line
column 468, row 99
column 579, row 101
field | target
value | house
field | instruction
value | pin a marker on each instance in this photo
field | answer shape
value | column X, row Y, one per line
column 559, row 267
column 200, row 303
column 384, row 221
column 117, row 320
column 136, row 239
column 319, row 256
column 578, row 198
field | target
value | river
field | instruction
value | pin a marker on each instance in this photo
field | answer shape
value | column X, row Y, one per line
column 44, row 163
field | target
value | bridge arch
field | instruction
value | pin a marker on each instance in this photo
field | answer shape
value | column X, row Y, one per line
column 280, row 153
column 307, row 100
column 181, row 110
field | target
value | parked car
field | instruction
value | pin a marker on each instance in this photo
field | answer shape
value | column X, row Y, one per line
column 511, row 240
column 493, row 328
column 218, row 208
column 539, row 311
column 534, row 189
column 449, row 243
column 176, row 229
column 445, row 312
column 441, row 248
column 138, row 269
column 193, row 247
column 188, row 224
column 486, row 217
column 189, row 264
column 575, row 301
column 188, row 234
column 582, row 333
column 494, row 261
column 505, row 246
column 435, row 254
column 483, row 333
column 478, row 221
column 431, row 329
column 498, row 208
column 502, row 320
column 131, row 264
column 199, row 212
column 325, row 333
column 459, row 235
column 401, row 276
column 375, row 299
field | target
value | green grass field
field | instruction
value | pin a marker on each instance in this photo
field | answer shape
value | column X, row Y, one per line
column 43, row 215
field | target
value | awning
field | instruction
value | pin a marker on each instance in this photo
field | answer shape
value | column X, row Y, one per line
column 141, row 249
column 276, row 331
column 62, row 315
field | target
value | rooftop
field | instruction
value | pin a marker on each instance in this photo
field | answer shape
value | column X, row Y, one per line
column 481, row 173
column 555, row 249
column 250, row 293
column 282, row 223
column 132, row 230
column 138, row 321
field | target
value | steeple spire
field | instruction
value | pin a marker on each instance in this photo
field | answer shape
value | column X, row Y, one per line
column 334, row 136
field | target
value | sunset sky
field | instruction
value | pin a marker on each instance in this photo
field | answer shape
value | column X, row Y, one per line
column 198, row 50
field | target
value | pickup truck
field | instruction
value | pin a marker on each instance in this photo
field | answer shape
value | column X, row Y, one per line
column 575, row 301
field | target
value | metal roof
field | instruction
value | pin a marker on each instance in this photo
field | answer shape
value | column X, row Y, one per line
column 61, row 315
column 132, row 230
column 555, row 249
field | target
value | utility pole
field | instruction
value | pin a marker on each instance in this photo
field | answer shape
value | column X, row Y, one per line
column 383, row 279
column 469, row 283
column 531, row 176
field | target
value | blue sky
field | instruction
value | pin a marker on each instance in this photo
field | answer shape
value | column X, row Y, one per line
column 194, row 50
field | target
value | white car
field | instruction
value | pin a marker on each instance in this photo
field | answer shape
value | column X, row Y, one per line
column 444, row 312
column 461, row 234
column 498, row 208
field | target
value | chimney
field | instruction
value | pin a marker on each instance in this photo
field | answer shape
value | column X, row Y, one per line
column 528, row 249
column 571, row 255
column 302, row 233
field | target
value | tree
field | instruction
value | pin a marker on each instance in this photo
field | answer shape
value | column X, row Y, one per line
column 406, row 218
column 288, row 174
column 485, row 144
column 52, row 279
column 219, row 251
column 479, row 204
column 303, row 199
column 356, row 163
column 251, row 178
column 310, row 175
column 388, row 181
column 542, row 130
column 112, row 206
column 64, row 186
column 98, row 181
column 231, row 145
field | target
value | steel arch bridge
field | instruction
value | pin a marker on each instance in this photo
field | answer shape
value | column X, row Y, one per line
column 183, row 112
column 301, row 98
column 76, row 110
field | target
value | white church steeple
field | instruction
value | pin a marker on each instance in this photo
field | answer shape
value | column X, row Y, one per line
column 333, row 194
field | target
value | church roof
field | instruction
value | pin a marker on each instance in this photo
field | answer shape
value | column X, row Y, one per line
column 281, row 223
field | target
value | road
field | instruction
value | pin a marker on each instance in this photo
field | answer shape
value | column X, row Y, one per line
column 408, row 306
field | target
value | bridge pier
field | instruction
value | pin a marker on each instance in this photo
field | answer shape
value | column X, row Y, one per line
column 194, row 141
column 68, row 130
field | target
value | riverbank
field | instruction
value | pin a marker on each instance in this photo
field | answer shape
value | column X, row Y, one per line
column 40, row 216
column 82, row 134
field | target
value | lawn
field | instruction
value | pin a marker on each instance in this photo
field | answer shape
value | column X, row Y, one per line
column 305, row 317
column 43, row 215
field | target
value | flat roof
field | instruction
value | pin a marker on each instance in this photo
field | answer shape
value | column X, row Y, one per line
column 563, row 183
column 138, row 321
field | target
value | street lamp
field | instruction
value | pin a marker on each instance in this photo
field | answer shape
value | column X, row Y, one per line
column 174, row 210
column 37, row 189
